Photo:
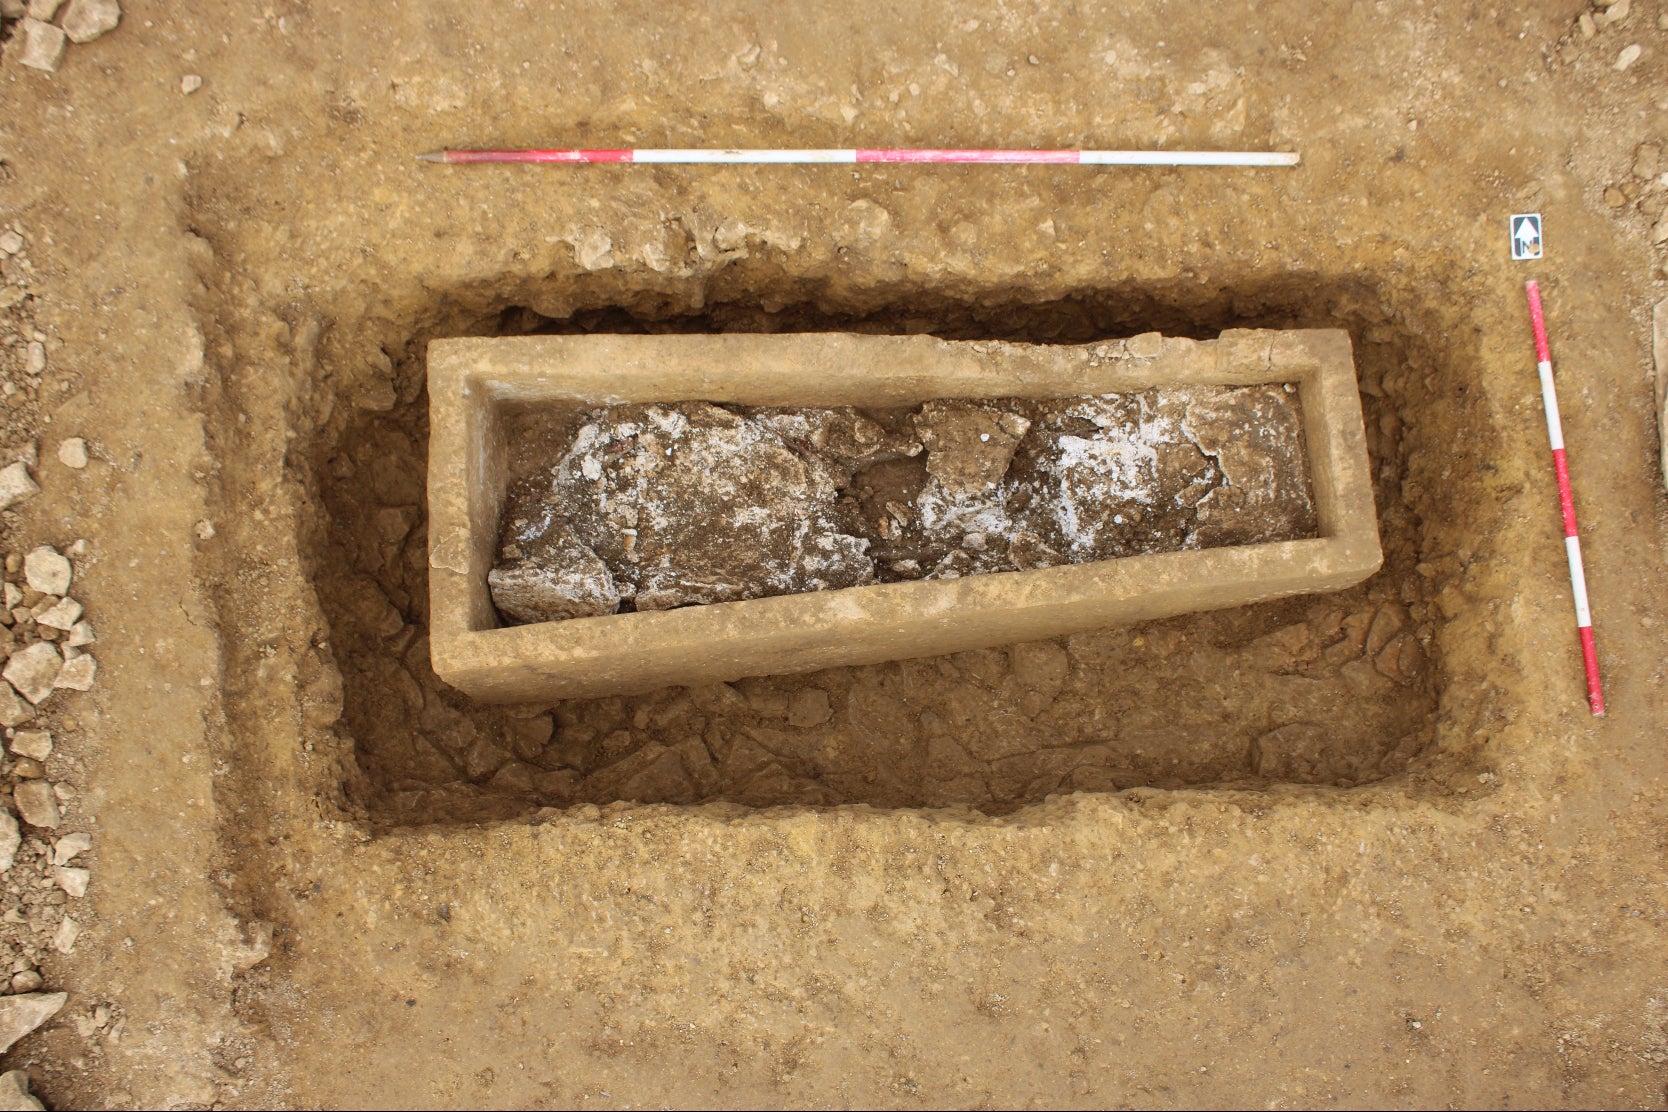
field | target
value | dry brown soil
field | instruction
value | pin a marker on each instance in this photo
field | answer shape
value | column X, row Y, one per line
column 1359, row 849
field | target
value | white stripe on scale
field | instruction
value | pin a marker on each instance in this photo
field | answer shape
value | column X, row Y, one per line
column 1549, row 396
column 1578, row 581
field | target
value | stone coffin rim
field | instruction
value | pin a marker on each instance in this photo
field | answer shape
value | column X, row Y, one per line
column 470, row 381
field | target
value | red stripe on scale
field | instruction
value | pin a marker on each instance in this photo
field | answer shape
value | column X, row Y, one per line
column 1589, row 655
column 942, row 155
column 892, row 154
column 1566, row 502
column 540, row 156
column 1566, row 497
column 1537, row 320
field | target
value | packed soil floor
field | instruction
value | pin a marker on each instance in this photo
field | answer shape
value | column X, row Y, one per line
column 1359, row 848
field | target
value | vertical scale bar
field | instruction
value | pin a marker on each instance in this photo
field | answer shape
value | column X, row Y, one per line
column 1566, row 500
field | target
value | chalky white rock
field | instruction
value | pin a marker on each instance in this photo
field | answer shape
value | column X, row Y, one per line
column 73, row 453
column 41, row 45
column 33, row 670
column 86, row 20
column 16, row 485
column 48, row 571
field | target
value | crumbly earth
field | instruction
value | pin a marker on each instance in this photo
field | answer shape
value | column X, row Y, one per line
column 660, row 506
column 1333, row 871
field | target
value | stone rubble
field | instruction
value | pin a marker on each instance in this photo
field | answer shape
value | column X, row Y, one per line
column 40, row 629
column 39, row 876
column 63, row 939
column 1614, row 14
column 42, row 30
column 37, row 803
column 19, row 1015
column 40, row 44
column 13, row 711
column 16, row 485
column 658, row 506
column 72, row 880
column 47, row 571
column 61, row 615
column 86, row 20
column 34, row 744
column 641, row 483
column 33, row 669
column 25, row 356
column 71, row 846
column 77, row 674
column 15, row 1095
column 10, row 839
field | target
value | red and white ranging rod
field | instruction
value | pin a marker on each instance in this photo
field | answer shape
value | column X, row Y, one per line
column 877, row 154
column 1566, row 500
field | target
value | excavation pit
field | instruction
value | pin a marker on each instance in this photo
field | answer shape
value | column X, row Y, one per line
column 1336, row 689
column 473, row 384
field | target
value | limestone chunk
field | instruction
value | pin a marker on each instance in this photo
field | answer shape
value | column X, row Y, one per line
column 77, row 673
column 36, row 744
column 14, row 1084
column 72, row 880
column 33, row 669
column 13, row 710
column 37, row 803
column 1246, row 432
column 844, row 434
column 11, row 838
column 969, row 446
column 72, row 453
column 19, row 1015
column 42, row 45
column 16, row 485
column 686, row 504
column 62, row 614
column 86, row 20
column 566, row 580
column 71, row 846
column 47, row 571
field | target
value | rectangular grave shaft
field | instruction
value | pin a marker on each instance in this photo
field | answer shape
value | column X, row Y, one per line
column 473, row 381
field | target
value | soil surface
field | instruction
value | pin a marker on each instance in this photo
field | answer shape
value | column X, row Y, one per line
column 1366, row 848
